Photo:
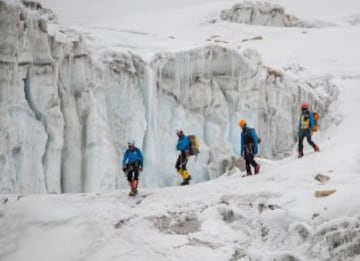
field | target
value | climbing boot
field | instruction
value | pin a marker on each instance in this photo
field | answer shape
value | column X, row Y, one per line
column 316, row 148
column 257, row 169
column 186, row 177
column 300, row 154
column 133, row 187
column 180, row 171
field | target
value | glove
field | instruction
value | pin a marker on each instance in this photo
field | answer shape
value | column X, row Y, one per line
column 124, row 169
column 140, row 168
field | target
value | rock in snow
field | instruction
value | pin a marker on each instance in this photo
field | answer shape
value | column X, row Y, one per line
column 66, row 116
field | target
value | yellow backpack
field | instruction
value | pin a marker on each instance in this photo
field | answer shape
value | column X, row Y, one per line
column 194, row 145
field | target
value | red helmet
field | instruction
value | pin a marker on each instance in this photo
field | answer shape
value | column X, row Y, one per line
column 304, row 106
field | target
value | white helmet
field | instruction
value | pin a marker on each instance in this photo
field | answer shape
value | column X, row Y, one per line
column 131, row 142
column 179, row 130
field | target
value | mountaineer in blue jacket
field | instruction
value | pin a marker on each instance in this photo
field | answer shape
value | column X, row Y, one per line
column 306, row 127
column 183, row 145
column 249, row 147
column 132, row 164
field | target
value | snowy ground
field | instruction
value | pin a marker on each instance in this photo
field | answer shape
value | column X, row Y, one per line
column 273, row 216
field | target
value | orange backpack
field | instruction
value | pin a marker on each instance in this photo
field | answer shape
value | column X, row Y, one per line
column 316, row 119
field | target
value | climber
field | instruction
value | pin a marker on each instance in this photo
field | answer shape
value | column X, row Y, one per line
column 306, row 126
column 249, row 147
column 132, row 164
column 183, row 146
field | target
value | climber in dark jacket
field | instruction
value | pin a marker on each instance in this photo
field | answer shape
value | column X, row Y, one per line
column 249, row 147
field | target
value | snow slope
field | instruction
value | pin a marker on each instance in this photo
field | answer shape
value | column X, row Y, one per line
column 272, row 216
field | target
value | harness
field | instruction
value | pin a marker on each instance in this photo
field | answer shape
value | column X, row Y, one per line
column 305, row 122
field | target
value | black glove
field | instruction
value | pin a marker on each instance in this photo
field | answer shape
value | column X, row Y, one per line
column 124, row 169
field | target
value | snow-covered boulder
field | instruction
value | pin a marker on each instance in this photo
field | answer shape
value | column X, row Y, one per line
column 262, row 13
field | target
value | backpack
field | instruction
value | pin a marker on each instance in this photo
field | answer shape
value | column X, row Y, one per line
column 194, row 145
column 259, row 139
column 316, row 117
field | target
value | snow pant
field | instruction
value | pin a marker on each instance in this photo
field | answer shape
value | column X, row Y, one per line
column 181, row 161
column 302, row 134
column 132, row 171
column 180, row 165
column 249, row 157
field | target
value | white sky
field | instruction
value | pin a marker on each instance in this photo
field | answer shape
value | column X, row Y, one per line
column 93, row 12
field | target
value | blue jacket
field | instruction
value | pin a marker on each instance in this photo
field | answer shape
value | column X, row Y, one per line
column 183, row 143
column 249, row 136
column 311, row 121
column 132, row 157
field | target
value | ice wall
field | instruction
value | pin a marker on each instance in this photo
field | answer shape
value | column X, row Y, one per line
column 207, row 90
column 55, row 130
column 66, row 116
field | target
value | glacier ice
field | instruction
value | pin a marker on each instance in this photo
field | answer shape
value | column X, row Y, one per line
column 67, row 109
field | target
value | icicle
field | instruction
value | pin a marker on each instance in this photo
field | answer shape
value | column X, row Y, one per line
column 151, row 137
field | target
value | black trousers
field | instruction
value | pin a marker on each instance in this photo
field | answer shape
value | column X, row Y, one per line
column 302, row 135
column 249, row 157
column 132, row 171
column 181, row 161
